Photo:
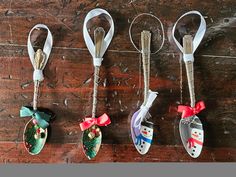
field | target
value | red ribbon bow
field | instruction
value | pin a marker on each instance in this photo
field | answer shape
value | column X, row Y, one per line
column 188, row 111
column 103, row 120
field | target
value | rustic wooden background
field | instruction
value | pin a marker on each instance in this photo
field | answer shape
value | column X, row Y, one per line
column 67, row 88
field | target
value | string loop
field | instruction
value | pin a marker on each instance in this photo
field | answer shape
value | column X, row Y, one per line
column 162, row 29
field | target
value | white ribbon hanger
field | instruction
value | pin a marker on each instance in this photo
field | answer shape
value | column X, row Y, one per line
column 88, row 41
column 145, row 108
column 38, row 74
column 198, row 36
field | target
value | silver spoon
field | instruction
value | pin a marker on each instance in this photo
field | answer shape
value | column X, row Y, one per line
column 92, row 137
column 191, row 130
column 35, row 137
column 141, row 128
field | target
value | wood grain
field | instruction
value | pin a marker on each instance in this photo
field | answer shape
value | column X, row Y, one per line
column 68, row 84
column 71, row 153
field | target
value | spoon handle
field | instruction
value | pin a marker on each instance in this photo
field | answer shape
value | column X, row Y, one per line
column 36, row 91
column 39, row 60
column 99, row 34
column 188, row 48
column 146, row 42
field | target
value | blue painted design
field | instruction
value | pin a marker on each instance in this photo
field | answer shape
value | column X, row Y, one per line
column 141, row 137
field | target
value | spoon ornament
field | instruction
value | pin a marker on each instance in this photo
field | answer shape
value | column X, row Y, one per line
column 190, row 126
column 92, row 135
column 141, row 128
column 35, row 131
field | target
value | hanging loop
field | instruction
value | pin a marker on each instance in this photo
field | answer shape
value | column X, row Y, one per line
column 38, row 74
column 107, row 40
column 197, row 38
column 162, row 29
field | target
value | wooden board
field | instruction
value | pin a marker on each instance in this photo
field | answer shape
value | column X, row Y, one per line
column 68, row 84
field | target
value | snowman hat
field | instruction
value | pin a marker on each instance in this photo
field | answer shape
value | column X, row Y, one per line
column 147, row 124
column 196, row 124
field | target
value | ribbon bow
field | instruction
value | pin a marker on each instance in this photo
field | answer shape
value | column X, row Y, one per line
column 188, row 111
column 103, row 120
column 145, row 108
column 141, row 137
column 41, row 117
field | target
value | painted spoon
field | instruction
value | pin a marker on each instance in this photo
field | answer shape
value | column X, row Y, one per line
column 141, row 128
column 190, row 127
column 35, row 131
column 92, row 137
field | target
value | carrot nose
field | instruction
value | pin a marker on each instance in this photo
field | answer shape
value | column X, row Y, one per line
column 144, row 132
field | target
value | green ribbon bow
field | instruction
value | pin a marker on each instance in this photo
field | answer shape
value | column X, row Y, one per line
column 41, row 117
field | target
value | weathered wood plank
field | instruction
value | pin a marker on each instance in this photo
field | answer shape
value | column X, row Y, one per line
column 66, row 20
column 71, row 153
column 67, row 88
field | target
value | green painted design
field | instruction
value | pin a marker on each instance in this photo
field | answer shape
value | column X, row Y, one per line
column 91, row 146
column 33, row 145
column 33, row 141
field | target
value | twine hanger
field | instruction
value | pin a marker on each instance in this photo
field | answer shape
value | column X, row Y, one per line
column 149, row 96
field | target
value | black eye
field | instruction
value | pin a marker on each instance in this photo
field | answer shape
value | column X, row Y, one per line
column 144, row 128
column 149, row 131
column 195, row 132
column 199, row 133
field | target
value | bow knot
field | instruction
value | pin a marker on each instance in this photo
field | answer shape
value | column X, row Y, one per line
column 188, row 111
column 103, row 120
column 41, row 117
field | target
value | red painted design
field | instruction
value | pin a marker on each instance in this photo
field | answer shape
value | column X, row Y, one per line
column 192, row 142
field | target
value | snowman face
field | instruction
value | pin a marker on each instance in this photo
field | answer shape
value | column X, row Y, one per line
column 146, row 131
column 197, row 134
column 195, row 147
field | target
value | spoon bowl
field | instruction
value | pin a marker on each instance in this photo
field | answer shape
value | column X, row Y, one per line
column 142, row 136
column 192, row 135
column 91, row 140
column 34, row 137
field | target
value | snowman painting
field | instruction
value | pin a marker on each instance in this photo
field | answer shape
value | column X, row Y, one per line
column 195, row 142
column 144, row 139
